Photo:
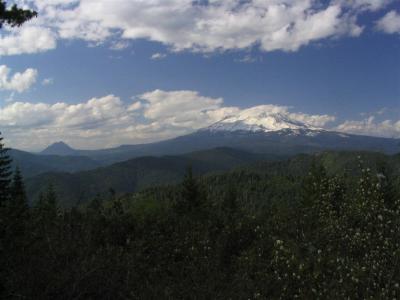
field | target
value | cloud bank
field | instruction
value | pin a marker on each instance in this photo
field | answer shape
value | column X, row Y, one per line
column 156, row 115
column 371, row 126
column 108, row 121
column 200, row 25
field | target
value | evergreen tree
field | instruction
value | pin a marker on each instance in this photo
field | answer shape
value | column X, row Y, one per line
column 46, row 208
column 18, row 194
column 189, row 187
column 17, row 206
column 50, row 202
column 14, row 16
column 17, row 210
column 190, row 194
column 16, row 222
column 5, row 173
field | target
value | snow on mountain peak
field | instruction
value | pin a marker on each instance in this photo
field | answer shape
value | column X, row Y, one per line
column 263, row 118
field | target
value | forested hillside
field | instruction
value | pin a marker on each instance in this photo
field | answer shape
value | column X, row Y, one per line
column 136, row 174
column 140, row 173
column 312, row 227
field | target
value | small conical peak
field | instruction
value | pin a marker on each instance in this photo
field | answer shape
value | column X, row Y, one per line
column 58, row 148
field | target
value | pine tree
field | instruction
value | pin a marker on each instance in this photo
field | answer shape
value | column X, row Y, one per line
column 5, row 173
column 17, row 215
column 46, row 208
column 18, row 205
column 189, row 187
column 189, row 194
column 14, row 16
column 50, row 202
column 18, row 187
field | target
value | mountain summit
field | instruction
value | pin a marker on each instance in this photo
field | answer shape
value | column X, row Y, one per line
column 259, row 119
column 262, row 129
column 59, row 148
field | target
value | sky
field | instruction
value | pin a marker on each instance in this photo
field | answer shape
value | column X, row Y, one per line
column 101, row 73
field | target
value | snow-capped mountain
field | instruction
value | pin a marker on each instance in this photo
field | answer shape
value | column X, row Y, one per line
column 258, row 119
column 268, row 130
column 259, row 130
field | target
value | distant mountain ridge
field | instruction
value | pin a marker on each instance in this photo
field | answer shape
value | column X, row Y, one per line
column 285, row 141
column 32, row 164
column 252, row 130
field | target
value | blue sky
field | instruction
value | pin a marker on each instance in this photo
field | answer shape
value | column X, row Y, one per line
column 338, row 61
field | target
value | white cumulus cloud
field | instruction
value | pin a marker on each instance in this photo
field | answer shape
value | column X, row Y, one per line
column 370, row 126
column 318, row 121
column 205, row 26
column 27, row 39
column 18, row 82
column 167, row 104
column 98, row 122
column 390, row 23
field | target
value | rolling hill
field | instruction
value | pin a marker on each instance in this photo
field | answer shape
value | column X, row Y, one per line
column 33, row 164
column 138, row 173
